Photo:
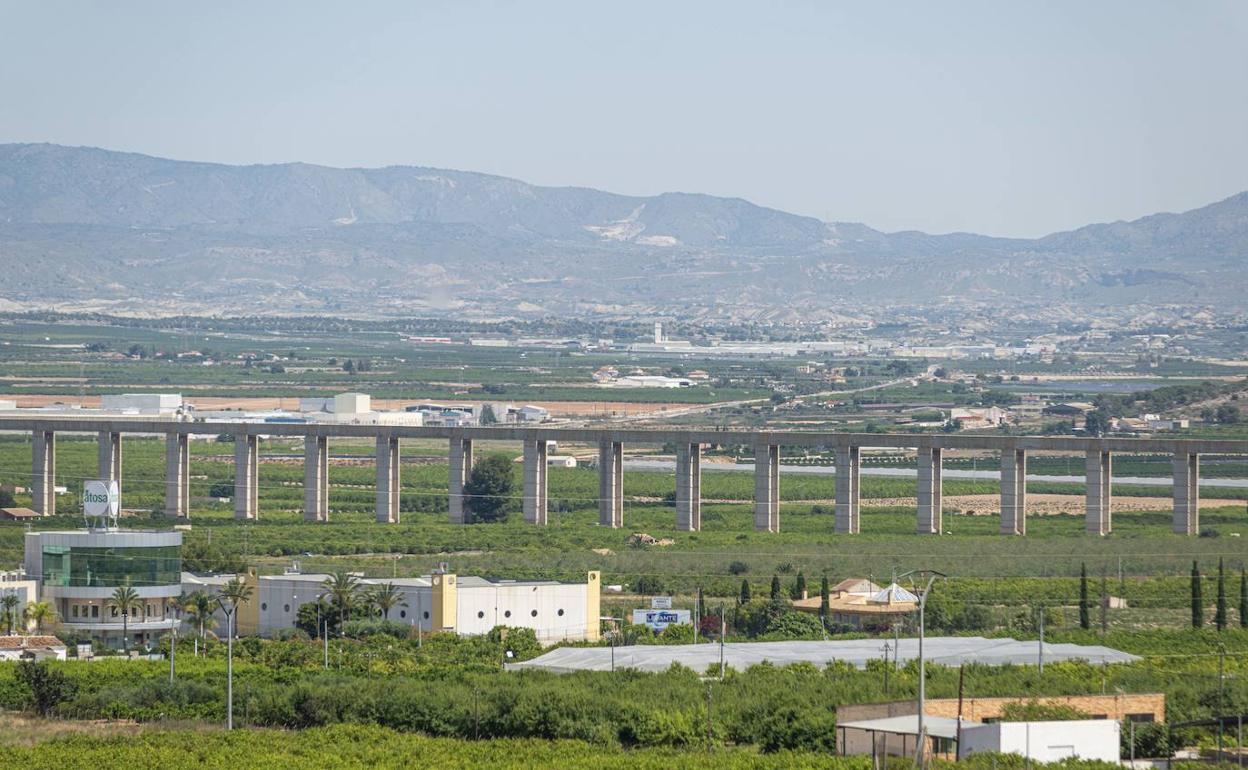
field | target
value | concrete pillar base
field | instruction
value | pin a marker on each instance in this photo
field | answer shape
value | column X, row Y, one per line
column 689, row 487
column 316, row 478
column 1013, row 491
column 388, row 466
column 847, row 475
column 611, row 484
column 110, row 457
column 460, row 471
column 931, row 491
column 1187, row 494
column 43, row 473
column 246, row 476
column 535, row 470
column 178, row 475
column 1098, row 478
column 767, row 488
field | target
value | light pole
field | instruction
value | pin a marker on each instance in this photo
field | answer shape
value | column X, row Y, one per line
column 228, row 609
column 931, row 576
column 173, row 647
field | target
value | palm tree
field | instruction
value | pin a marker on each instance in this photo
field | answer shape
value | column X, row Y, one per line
column 386, row 597
column 343, row 588
column 38, row 613
column 200, row 607
column 123, row 600
column 9, row 602
column 236, row 591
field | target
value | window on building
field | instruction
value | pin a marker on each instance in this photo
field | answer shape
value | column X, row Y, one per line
column 560, row 614
column 1139, row 717
column 95, row 610
column 533, row 613
column 426, row 614
column 402, row 613
column 74, row 612
column 507, row 613
column 264, row 606
column 285, row 608
column 480, row 613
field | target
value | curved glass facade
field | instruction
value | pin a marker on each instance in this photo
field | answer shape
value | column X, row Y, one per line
column 109, row 567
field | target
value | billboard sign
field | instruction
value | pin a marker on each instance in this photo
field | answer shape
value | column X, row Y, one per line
column 101, row 502
column 661, row 619
column 660, row 602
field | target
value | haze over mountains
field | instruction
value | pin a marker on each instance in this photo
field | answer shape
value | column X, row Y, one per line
column 85, row 228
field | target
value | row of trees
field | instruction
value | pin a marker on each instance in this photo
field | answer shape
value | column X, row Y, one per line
column 1198, row 607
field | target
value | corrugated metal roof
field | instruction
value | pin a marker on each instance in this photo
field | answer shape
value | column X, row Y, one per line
column 908, row 724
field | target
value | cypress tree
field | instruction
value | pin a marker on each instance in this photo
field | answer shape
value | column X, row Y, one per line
column 1198, row 609
column 701, row 605
column 1219, row 617
column 1085, row 621
column 1243, row 599
column 824, row 607
column 745, row 592
column 775, row 587
column 800, row 587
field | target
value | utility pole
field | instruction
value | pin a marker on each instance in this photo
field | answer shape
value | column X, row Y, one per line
column 173, row 648
column 1041, row 647
column 708, row 718
column 723, row 631
column 1221, row 692
column 886, row 648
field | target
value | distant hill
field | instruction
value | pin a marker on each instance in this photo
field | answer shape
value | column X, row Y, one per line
column 93, row 229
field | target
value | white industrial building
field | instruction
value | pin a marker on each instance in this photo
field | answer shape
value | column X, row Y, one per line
column 464, row 605
column 1086, row 739
column 142, row 403
column 354, row 409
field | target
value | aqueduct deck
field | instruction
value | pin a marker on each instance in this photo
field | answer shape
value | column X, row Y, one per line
column 847, row 447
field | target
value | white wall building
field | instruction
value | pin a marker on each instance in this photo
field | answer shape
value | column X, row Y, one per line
column 441, row 602
column 1088, row 739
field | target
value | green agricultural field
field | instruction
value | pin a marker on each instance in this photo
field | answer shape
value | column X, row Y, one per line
column 396, row 690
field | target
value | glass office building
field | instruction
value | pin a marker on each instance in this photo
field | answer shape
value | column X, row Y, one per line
column 79, row 571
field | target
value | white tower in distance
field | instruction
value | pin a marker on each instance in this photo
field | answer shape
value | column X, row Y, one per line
column 658, row 332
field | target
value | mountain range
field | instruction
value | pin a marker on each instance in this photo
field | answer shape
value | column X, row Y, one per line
column 91, row 229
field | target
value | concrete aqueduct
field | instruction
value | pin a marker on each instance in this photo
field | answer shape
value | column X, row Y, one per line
column 847, row 446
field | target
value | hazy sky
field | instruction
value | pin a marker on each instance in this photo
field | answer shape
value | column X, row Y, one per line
column 1010, row 118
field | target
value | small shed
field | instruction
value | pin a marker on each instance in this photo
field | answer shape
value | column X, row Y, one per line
column 898, row 736
column 17, row 514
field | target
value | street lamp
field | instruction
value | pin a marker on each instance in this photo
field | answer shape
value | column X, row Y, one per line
column 228, row 609
column 931, row 576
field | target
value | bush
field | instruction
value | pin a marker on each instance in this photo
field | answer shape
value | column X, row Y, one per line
column 359, row 629
column 738, row 568
column 48, row 686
